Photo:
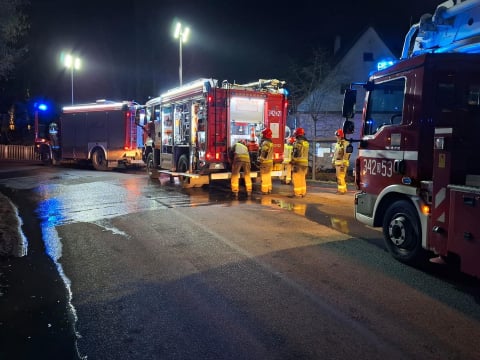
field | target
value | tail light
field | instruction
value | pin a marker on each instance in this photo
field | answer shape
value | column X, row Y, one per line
column 210, row 156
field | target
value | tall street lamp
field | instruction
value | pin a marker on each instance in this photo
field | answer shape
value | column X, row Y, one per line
column 73, row 63
column 181, row 34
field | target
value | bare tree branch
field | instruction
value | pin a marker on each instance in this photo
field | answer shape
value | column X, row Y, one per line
column 306, row 80
column 13, row 27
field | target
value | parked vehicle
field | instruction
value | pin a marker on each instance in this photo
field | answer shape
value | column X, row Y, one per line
column 103, row 133
column 417, row 171
column 192, row 127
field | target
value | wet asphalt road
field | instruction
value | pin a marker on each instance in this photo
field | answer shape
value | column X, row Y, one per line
column 143, row 270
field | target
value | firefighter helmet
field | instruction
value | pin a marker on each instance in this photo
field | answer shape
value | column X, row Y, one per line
column 299, row 132
column 339, row 133
column 267, row 133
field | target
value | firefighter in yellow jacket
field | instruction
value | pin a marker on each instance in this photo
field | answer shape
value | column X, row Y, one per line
column 341, row 161
column 287, row 159
column 300, row 163
column 265, row 160
column 240, row 161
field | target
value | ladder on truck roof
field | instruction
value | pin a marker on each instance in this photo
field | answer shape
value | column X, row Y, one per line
column 454, row 27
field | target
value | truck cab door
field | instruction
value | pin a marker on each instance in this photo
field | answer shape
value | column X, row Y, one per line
column 165, row 141
column 381, row 160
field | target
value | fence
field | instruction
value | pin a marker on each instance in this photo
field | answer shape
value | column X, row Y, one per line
column 18, row 152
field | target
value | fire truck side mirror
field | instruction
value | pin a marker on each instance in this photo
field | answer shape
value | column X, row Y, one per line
column 349, row 101
column 138, row 116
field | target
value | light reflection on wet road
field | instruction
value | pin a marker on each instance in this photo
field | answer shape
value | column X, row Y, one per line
column 69, row 196
column 72, row 195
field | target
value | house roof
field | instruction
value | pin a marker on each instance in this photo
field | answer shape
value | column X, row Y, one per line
column 354, row 64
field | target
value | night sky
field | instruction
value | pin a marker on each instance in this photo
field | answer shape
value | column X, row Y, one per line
column 128, row 50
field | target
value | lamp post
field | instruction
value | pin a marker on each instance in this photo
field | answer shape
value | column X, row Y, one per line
column 181, row 34
column 72, row 63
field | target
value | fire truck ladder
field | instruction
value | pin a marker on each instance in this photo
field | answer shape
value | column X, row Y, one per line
column 452, row 28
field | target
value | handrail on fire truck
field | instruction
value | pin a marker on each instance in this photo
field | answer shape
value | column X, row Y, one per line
column 203, row 83
column 454, row 27
column 272, row 85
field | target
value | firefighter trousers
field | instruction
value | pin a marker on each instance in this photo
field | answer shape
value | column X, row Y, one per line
column 238, row 166
column 341, row 172
column 266, row 178
column 299, row 174
column 288, row 173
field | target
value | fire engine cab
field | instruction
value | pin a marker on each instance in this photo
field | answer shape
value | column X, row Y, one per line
column 418, row 169
column 192, row 127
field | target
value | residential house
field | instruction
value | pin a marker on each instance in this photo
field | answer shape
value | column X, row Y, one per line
column 355, row 66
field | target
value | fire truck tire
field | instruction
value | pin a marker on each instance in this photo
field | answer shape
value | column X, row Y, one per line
column 182, row 167
column 45, row 157
column 402, row 232
column 151, row 168
column 99, row 160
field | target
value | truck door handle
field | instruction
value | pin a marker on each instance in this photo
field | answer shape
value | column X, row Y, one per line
column 470, row 201
column 399, row 166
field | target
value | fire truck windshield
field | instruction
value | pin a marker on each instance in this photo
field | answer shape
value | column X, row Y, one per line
column 385, row 105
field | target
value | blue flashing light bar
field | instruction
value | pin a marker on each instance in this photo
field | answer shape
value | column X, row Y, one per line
column 384, row 64
column 42, row 107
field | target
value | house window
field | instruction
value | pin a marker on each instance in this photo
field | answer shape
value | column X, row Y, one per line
column 367, row 56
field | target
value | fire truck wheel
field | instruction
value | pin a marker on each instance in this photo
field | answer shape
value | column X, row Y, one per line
column 99, row 161
column 45, row 157
column 151, row 169
column 182, row 167
column 402, row 234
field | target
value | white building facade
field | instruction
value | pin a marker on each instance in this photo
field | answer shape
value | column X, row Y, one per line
column 355, row 66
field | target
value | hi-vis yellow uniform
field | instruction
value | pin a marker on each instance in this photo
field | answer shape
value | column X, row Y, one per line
column 341, row 161
column 265, row 159
column 287, row 162
column 300, row 166
column 241, row 159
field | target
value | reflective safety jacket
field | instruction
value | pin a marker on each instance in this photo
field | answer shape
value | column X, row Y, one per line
column 287, row 153
column 240, row 152
column 300, row 151
column 340, row 156
column 265, row 153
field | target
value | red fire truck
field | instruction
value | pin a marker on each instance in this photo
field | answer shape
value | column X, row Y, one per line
column 103, row 133
column 418, row 168
column 192, row 127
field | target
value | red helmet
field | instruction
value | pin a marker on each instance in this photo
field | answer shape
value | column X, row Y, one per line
column 267, row 133
column 299, row 132
column 339, row 133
